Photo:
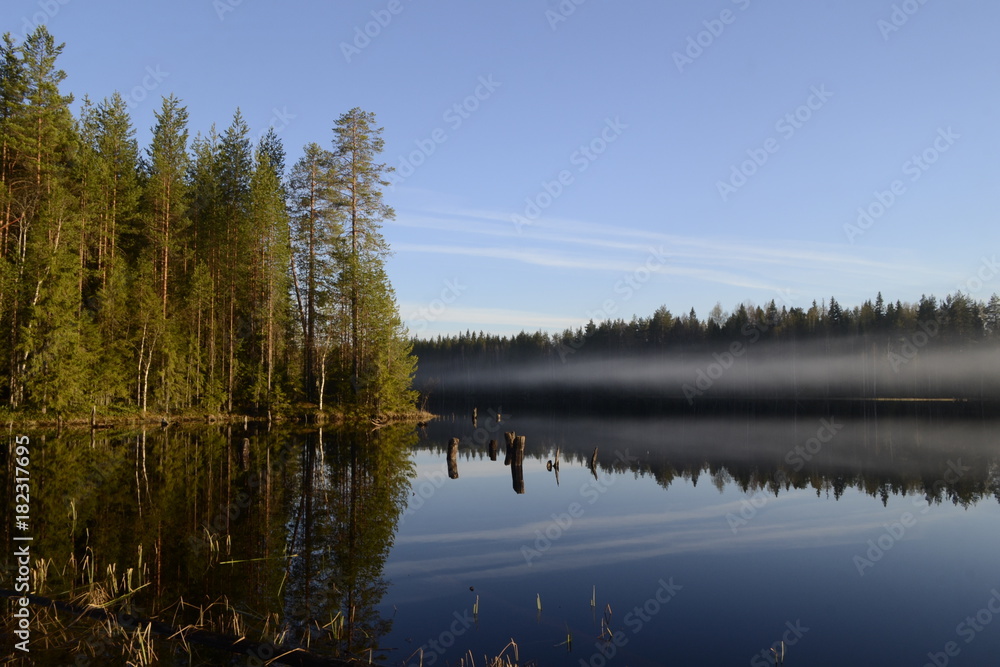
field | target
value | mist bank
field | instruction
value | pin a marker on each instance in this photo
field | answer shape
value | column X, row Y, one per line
column 845, row 369
column 927, row 352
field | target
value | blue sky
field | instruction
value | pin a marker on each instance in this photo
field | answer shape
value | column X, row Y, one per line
column 559, row 162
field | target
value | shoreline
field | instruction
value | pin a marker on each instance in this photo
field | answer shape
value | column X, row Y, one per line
column 96, row 421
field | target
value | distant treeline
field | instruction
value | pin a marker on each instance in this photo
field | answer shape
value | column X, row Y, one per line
column 934, row 349
column 188, row 275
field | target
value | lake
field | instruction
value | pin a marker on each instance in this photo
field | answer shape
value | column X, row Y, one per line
column 688, row 540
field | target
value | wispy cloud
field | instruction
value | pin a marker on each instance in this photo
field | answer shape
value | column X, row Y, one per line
column 726, row 260
column 499, row 317
column 577, row 266
column 618, row 540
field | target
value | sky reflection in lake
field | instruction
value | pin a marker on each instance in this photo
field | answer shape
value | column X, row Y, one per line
column 822, row 563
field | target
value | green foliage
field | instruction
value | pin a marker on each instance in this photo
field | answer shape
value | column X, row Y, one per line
column 195, row 277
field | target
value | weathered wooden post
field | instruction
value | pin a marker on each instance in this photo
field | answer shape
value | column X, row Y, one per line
column 453, row 458
column 517, row 477
column 508, row 450
column 493, row 450
column 519, row 442
column 475, row 417
column 517, row 463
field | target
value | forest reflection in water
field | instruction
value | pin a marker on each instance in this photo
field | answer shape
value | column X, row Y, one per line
column 850, row 524
column 944, row 458
column 354, row 542
column 276, row 535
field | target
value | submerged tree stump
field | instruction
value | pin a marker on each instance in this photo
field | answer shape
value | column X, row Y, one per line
column 517, row 463
column 453, row 458
column 519, row 443
column 509, row 447
column 517, row 478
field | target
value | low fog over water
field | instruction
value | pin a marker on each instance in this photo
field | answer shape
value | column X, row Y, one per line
column 839, row 368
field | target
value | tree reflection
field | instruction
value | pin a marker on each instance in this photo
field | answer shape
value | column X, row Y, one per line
column 353, row 489
column 945, row 461
column 277, row 536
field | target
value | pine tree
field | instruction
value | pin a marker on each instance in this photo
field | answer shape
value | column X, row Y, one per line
column 315, row 239
column 377, row 352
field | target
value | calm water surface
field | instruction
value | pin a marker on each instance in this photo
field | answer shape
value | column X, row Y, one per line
column 711, row 540
column 699, row 541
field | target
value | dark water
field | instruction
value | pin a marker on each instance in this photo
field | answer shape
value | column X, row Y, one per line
column 701, row 541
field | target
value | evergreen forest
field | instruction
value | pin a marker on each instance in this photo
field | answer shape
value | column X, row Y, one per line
column 198, row 273
column 777, row 358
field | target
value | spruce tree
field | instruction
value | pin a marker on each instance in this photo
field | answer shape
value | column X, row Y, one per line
column 166, row 190
column 269, row 228
column 50, row 340
column 236, row 259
